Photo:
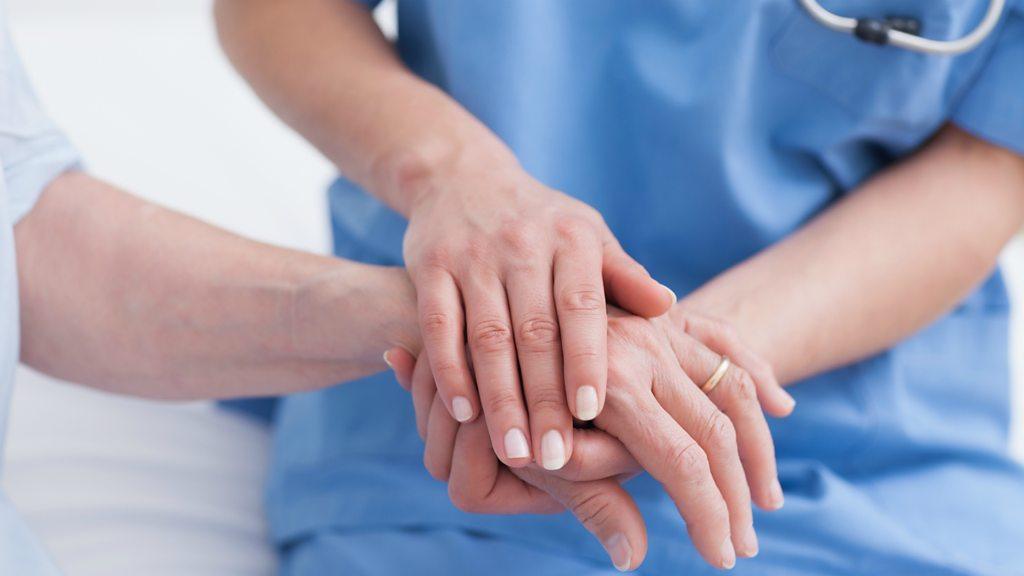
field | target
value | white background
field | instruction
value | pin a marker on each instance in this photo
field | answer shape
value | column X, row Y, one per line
column 144, row 92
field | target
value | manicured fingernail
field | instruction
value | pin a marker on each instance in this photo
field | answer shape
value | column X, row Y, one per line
column 620, row 552
column 388, row 360
column 728, row 555
column 671, row 293
column 552, row 450
column 777, row 499
column 748, row 543
column 586, row 403
column 462, row 409
column 515, row 444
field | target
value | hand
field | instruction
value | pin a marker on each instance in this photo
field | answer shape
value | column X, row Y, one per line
column 522, row 271
column 477, row 482
column 649, row 398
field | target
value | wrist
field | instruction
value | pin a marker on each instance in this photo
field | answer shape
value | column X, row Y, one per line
column 352, row 314
column 411, row 174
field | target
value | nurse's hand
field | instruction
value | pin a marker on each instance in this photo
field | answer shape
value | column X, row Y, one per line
column 523, row 273
column 676, row 432
column 477, row 482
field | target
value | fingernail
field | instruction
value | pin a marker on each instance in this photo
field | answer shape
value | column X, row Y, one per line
column 775, row 493
column 586, row 403
column 552, row 450
column 749, row 543
column 462, row 409
column 515, row 444
column 620, row 552
column 728, row 555
column 789, row 401
column 388, row 360
column 671, row 293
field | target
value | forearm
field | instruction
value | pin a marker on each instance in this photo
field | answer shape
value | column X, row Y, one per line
column 881, row 264
column 325, row 68
column 123, row 295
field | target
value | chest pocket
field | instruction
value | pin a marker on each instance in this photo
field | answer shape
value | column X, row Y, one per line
column 880, row 83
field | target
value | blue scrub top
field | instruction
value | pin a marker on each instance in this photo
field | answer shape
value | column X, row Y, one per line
column 32, row 152
column 704, row 131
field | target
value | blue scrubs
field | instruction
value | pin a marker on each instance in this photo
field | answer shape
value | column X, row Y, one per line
column 704, row 131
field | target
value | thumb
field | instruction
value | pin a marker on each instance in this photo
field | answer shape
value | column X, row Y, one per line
column 630, row 287
column 605, row 509
column 402, row 363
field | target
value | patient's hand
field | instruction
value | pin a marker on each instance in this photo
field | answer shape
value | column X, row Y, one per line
column 676, row 432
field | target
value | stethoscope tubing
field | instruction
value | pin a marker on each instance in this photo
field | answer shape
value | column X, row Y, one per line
column 912, row 42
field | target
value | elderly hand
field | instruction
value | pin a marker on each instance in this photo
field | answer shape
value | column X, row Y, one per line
column 521, row 271
column 678, row 434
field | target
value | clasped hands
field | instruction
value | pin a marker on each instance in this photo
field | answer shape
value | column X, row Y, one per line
column 712, row 453
column 513, row 291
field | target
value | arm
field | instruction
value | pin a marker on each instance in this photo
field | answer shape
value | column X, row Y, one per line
column 517, row 269
column 123, row 295
column 881, row 264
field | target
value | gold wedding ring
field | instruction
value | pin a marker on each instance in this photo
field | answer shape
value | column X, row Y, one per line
column 717, row 376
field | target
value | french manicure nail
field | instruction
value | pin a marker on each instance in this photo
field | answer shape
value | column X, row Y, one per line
column 515, row 444
column 552, row 450
column 620, row 552
column 388, row 360
column 728, row 555
column 462, row 409
column 749, row 543
column 586, row 403
column 777, row 498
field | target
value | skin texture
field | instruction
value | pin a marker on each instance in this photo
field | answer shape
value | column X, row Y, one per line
column 122, row 295
column 708, row 451
column 855, row 273
column 520, row 271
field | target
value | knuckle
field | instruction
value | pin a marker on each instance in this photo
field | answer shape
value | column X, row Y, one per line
column 538, row 333
column 501, row 401
column 436, row 322
column 477, row 251
column 582, row 299
column 518, row 238
column 593, row 508
column 490, row 336
column 438, row 256
column 546, row 400
column 687, row 458
column 571, row 229
column 718, row 433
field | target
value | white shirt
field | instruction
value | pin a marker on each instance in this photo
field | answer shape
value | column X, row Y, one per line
column 32, row 153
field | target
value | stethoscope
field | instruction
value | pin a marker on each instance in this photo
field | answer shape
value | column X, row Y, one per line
column 903, row 32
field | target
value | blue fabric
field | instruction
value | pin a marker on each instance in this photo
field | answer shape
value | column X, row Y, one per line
column 32, row 152
column 704, row 132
